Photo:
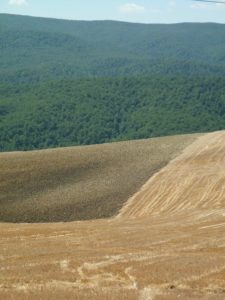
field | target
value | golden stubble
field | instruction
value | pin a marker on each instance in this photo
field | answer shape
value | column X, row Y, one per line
column 167, row 242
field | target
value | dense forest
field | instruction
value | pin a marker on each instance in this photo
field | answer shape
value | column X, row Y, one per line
column 38, row 49
column 70, row 82
column 89, row 111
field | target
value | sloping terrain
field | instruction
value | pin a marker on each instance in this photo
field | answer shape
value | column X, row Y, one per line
column 67, row 83
column 193, row 181
column 96, row 111
column 36, row 49
column 79, row 183
column 168, row 241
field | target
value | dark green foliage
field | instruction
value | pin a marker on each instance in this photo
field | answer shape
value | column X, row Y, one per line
column 71, row 82
column 89, row 111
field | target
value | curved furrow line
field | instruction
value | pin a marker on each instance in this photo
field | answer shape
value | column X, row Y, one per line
column 193, row 180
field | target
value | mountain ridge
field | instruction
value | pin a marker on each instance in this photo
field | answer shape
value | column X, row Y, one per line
column 136, row 47
column 65, row 83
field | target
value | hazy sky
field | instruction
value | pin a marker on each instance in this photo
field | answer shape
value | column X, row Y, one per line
column 143, row 11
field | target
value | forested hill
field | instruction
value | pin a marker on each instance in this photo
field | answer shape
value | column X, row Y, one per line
column 34, row 49
column 66, row 83
column 92, row 111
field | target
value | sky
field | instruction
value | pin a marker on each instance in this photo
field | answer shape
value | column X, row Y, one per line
column 141, row 11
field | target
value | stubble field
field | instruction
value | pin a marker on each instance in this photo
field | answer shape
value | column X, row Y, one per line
column 167, row 241
column 79, row 183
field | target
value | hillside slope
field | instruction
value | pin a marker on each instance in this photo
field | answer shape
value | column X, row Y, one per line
column 34, row 49
column 173, row 250
column 79, row 112
column 194, row 181
column 79, row 183
column 66, row 83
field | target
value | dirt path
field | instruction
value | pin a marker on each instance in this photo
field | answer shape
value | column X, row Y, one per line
column 168, row 241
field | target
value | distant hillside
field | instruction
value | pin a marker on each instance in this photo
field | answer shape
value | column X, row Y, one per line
column 65, row 83
column 80, row 183
column 33, row 49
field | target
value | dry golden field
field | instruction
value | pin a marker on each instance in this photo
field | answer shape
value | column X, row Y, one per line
column 79, row 183
column 167, row 242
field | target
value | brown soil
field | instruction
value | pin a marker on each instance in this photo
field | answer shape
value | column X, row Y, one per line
column 79, row 183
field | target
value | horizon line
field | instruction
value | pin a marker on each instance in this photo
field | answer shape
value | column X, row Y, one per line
column 113, row 20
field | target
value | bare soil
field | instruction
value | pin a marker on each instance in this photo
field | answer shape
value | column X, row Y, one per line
column 79, row 183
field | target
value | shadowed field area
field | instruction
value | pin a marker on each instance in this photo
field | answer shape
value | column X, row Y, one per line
column 167, row 242
column 79, row 183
